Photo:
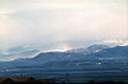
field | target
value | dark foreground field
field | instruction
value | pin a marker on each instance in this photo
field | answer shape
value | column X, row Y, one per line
column 30, row 80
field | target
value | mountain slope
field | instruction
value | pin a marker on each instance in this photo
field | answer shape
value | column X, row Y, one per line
column 91, row 49
column 114, row 52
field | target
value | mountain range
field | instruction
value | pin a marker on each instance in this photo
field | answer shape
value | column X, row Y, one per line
column 94, row 52
column 96, row 60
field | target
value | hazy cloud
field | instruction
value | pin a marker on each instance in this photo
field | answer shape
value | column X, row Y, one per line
column 52, row 24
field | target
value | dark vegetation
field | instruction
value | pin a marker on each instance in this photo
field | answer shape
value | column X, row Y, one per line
column 30, row 80
column 24, row 80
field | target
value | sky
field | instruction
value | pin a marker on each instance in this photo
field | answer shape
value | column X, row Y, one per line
column 61, row 24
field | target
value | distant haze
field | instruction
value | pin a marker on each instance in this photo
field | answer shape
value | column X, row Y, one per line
column 60, row 24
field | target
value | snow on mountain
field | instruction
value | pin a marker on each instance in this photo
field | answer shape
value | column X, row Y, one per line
column 100, row 46
column 19, row 52
column 91, row 49
column 68, row 59
column 23, row 52
column 116, row 42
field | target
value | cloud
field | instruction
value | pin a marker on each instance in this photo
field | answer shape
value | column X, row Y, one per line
column 50, row 24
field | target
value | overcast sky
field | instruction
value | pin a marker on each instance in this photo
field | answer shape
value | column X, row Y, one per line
column 50, row 24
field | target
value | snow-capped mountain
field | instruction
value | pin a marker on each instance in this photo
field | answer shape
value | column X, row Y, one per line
column 96, row 52
column 18, row 53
